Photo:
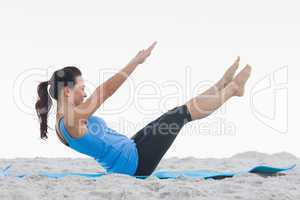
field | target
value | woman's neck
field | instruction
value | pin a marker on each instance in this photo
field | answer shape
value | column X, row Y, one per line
column 62, row 108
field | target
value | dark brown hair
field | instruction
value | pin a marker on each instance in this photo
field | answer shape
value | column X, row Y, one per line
column 60, row 78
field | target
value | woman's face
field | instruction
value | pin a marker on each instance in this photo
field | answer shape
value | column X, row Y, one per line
column 77, row 93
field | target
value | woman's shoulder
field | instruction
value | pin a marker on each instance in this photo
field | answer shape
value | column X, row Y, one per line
column 76, row 130
column 96, row 119
column 58, row 132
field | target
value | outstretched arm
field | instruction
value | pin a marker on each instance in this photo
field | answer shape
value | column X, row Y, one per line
column 107, row 89
column 118, row 79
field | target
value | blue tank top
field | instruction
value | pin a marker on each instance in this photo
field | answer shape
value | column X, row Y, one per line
column 115, row 152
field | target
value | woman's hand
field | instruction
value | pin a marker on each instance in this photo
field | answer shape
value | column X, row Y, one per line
column 143, row 54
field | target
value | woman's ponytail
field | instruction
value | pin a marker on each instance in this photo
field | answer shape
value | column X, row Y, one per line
column 59, row 79
column 42, row 107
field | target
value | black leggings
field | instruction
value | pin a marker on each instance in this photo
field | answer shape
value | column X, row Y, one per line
column 155, row 138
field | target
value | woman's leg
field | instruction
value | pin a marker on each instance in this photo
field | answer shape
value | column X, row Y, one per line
column 155, row 139
column 203, row 104
column 223, row 82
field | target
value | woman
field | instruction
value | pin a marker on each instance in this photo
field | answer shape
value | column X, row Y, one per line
column 80, row 130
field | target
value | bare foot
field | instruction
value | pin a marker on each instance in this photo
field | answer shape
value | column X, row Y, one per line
column 241, row 79
column 229, row 73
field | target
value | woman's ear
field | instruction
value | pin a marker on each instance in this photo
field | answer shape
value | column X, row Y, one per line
column 67, row 91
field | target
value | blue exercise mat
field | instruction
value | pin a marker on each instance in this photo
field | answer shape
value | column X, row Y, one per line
column 4, row 171
column 192, row 174
column 269, row 170
column 166, row 174
column 260, row 169
column 61, row 175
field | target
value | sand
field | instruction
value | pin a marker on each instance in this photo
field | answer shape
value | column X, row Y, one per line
column 117, row 186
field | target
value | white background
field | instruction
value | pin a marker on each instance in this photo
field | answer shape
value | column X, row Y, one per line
column 197, row 41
